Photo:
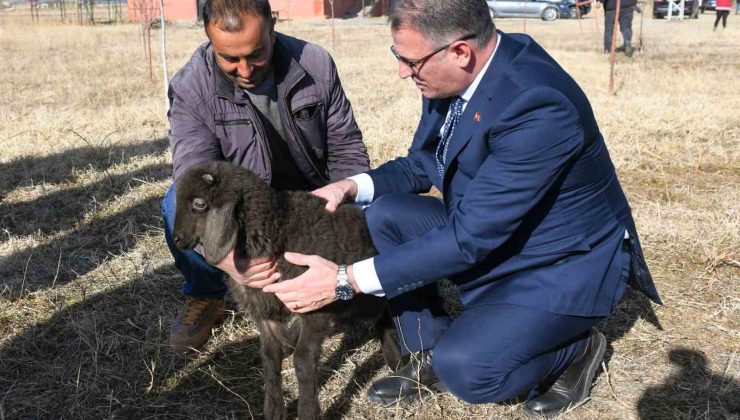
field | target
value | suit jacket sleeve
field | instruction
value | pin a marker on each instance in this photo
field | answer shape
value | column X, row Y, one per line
column 532, row 143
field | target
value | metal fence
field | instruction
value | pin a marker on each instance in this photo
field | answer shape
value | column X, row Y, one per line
column 81, row 12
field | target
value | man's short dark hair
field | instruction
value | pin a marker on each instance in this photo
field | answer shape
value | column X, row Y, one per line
column 229, row 14
column 441, row 21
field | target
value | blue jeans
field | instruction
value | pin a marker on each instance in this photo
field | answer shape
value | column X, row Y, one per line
column 490, row 353
column 201, row 279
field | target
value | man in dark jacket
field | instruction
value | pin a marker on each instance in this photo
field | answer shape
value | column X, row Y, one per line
column 265, row 101
column 626, row 11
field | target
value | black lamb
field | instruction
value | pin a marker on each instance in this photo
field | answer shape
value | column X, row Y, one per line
column 224, row 207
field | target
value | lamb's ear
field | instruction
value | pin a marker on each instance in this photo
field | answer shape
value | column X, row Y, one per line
column 220, row 232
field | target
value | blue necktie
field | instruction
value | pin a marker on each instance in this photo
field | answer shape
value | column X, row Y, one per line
column 456, row 108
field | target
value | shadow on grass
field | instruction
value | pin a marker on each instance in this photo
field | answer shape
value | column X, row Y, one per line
column 693, row 391
column 92, row 230
column 361, row 375
column 63, row 209
column 78, row 252
column 634, row 306
column 232, row 379
column 226, row 383
column 95, row 357
column 107, row 356
column 60, row 167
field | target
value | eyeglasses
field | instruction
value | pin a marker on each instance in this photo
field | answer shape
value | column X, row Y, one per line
column 414, row 63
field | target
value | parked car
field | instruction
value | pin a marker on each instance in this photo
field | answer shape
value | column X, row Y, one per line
column 585, row 8
column 708, row 5
column 545, row 9
column 660, row 8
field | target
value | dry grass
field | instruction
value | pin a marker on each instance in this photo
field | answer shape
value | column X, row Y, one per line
column 88, row 291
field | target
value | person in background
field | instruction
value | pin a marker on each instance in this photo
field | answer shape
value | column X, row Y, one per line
column 723, row 10
column 626, row 13
column 697, row 9
column 265, row 101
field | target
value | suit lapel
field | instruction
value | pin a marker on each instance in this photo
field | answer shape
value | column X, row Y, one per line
column 466, row 127
column 426, row 136
column 481, row 109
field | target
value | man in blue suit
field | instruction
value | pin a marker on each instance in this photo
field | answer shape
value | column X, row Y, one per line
column 533, row 226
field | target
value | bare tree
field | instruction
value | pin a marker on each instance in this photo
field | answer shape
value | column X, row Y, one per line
column 62, row 12
column 145, row 11
column 34, row 11
column 333, row 37
column 90, row 10
column 165, row 73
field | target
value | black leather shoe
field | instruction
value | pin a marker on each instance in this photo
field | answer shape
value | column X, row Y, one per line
column 574, row 385
column 413, row 380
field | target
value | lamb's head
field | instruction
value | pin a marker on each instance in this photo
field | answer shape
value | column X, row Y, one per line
column 206, row 209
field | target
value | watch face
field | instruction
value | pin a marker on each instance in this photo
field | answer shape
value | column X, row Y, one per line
column 345, row 292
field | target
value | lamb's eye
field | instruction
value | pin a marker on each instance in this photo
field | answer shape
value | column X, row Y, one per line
column 200, row 204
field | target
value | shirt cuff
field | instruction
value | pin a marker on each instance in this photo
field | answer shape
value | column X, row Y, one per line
column 366, row 277
column 365, row 188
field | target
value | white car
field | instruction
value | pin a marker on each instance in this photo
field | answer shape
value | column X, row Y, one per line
column 547, row 10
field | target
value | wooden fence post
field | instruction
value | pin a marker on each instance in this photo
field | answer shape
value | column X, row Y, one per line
column 614, row 45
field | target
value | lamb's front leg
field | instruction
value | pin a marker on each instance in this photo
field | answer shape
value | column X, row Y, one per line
column 271, row 354
column 314, row 328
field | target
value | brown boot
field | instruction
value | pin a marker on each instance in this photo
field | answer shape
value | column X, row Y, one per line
column 193, row 327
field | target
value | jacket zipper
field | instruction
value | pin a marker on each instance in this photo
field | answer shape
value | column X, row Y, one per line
column 233, row 122
column 261, row 130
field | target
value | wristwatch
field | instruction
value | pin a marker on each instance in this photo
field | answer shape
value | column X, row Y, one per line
column 344, row 290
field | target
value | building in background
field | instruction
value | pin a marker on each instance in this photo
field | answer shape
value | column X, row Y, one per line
column 313, row 9
column 190, row 10
column 174, row 10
